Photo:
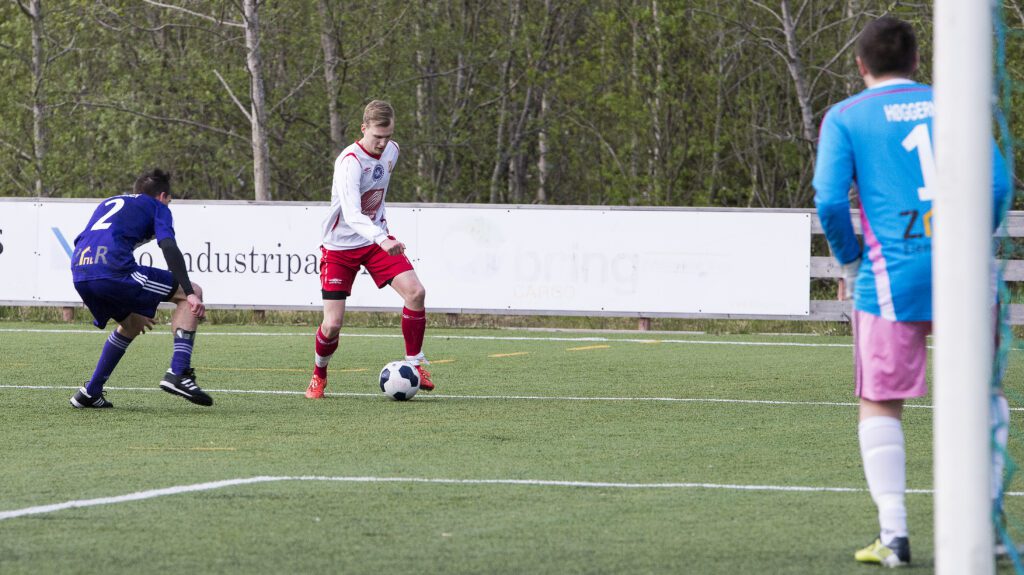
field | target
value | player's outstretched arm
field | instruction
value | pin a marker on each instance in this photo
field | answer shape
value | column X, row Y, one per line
column 176, row 263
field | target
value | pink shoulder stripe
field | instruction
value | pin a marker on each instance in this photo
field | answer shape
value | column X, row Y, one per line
column 885, row 93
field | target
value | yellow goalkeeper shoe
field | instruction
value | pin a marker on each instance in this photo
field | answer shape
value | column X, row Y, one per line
column 895, row 554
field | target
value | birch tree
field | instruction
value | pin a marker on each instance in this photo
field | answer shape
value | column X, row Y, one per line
column 258, row 108
column 256, row 112
column 638, row 102
column 33, row 10
column 41, row 55
column 505, row 85
column 331, row 35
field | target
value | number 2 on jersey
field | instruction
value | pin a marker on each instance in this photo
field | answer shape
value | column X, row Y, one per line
column 102, row 223
column 919, row 139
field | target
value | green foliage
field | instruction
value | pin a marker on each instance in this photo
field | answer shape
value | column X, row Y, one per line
column 646, row 102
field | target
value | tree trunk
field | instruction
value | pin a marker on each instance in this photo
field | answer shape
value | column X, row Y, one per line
column 329, row 42
column 853, row 82
column 514, row 194
column 34, row 11
column 501, row 157
column 796, row 70
column 716, row 132
column 542, row 152
column 421, row 112
column 258, row 116
column 447, row 168
column 654, row 160
column 634, row 76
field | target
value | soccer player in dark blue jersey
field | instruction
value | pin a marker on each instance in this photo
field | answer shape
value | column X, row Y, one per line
column 114, row 286
column 880, row 142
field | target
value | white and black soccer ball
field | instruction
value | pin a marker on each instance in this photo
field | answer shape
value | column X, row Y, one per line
column 399, row 380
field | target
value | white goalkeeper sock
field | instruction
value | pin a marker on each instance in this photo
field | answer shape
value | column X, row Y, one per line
column 885, row 460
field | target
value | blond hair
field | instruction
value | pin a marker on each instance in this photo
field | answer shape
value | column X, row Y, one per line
column 378, row 113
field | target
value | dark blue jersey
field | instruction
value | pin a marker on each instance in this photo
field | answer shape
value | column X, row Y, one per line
column 119, row 225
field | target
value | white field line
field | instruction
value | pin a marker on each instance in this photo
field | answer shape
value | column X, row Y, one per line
column 464, row 337
column 178, row 489
column 440, row 396
column 484, row 338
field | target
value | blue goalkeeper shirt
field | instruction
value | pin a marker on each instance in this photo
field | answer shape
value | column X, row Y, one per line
column 881, row 141
column 106, row 247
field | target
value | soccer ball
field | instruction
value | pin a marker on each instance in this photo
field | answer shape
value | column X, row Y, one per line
column 399, row 380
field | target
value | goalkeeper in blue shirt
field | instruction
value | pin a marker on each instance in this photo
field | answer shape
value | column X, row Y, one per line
column 114, row 286
column 879, row 143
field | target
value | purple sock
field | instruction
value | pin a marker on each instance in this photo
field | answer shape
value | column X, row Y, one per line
column 112, row 353
column 182, row 358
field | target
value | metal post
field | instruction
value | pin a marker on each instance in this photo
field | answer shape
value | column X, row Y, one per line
column 962, row 299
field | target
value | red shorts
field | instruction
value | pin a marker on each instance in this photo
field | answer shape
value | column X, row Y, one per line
column 338, row 268
column 889, row 357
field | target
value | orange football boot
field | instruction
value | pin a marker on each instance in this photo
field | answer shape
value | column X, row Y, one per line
column 316, row 387
column 425, row 383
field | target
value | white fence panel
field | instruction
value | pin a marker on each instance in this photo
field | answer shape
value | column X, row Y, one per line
column 502, row 259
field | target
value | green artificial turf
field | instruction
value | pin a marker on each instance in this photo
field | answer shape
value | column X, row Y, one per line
column 632, row 411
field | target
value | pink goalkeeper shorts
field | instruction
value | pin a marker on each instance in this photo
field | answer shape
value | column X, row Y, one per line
column 889, row 357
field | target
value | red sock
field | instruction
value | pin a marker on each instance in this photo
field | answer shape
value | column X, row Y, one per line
column 414, row 323
column 324, row 350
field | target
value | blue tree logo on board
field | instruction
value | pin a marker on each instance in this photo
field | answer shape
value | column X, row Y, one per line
column 378, row 172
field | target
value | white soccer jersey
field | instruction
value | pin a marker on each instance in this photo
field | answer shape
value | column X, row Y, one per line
column 357, row 215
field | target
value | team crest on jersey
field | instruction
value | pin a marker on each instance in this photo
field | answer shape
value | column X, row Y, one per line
column 371, row 201
column 378, row 172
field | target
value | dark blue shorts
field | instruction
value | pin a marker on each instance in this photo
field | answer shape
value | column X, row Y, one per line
column 117, row 298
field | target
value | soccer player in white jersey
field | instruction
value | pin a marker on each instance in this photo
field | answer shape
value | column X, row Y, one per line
column 355, row 234
column 880, row 141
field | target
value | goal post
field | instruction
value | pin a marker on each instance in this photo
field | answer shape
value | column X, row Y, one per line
column 962, row 270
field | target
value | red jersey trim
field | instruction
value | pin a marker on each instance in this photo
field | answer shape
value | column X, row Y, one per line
column 354, row 156
column 365, row 151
